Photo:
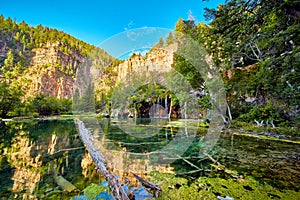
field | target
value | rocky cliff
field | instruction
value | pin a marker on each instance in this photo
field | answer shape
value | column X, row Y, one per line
column 50, row 63
column 51, row 72
column 51, row 54
column 2, row 48
column 41, row 59
column 157, row 60
column 48, row 80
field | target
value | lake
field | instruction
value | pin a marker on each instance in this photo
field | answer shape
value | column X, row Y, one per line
column 36, row 154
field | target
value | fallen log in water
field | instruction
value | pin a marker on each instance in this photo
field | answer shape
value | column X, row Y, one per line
column 149, row 184
column 100, row 161
column 64, row 184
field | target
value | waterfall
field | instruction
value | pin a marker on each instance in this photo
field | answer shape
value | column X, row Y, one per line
column 157, row 107
column 166, row 106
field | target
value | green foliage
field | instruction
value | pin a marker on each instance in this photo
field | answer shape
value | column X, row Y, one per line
column 22, row 41
column 9, row 61
column 257, row 42
column 147, row 95
column 76, row 100
column 24, row 38
column 9, row 100
column 48, row 105
column 189, row 71
column 86, row 102
column 179, row 27
column 170, row 39
column 255, row 45
column 21, row 64
column 185, row 28
column 283, row 129
column 263, row 112
column 88, row 99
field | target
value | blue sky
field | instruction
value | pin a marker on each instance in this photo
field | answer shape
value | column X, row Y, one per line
column 95, row 21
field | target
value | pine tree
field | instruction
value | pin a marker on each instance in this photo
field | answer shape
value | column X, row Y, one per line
column 170, row 39
column 179, row 28
column 9, row 61
column 76, row 100
column 21, row 64
column 160, row 43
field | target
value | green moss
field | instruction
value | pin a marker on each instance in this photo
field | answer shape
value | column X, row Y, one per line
column 209, row 188
column 263, row 137
column 252, row 127
column 92, row 191
column 247, row 188
column 177, row 187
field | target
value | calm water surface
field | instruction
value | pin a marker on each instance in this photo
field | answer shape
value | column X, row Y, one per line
column 34, row 153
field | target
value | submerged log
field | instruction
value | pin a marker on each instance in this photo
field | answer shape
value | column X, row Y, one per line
column 64, row 184
column 60, row 180
column 188, row 162
column 114, row 184
column 157, row 190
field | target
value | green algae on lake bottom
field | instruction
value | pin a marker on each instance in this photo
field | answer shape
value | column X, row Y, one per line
column 174, row 187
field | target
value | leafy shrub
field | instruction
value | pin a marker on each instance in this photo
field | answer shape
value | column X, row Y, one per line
column 266, row 112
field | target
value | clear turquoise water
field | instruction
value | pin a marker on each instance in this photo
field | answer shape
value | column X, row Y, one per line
column 34, row 151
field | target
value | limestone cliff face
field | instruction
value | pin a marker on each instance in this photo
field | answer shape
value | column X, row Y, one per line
column 48, row 80
column 52, row 71
column 159, row 60
column 156, row 60
column 51, row 55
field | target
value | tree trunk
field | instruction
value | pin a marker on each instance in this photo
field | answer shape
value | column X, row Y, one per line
column 100, row 161
column 229, row 112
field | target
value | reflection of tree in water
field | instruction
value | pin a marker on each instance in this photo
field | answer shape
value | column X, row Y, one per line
column 34, row 152
column 7, row 133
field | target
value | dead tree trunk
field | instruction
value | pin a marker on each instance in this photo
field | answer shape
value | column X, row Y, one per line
column 157, row 190
column 100, row 162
